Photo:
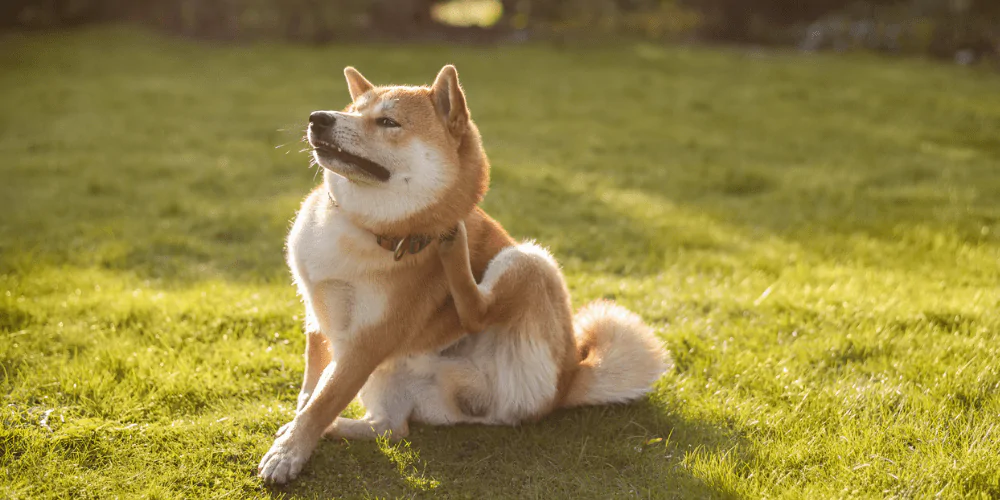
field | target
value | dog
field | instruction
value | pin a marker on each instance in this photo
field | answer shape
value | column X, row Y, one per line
column 420, row 304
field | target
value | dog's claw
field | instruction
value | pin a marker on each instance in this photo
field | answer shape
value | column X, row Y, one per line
column 449, row 236
column 457, row 232
column 279, row 467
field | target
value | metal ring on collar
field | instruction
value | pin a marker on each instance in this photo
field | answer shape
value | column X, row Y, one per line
column 400, row 250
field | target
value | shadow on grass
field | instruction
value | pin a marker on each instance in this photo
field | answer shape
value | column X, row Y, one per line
column 596, row 452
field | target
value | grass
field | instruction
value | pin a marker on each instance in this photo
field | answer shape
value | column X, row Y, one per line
column 815, row 239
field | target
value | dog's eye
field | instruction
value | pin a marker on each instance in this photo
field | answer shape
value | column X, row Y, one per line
column 386, row 122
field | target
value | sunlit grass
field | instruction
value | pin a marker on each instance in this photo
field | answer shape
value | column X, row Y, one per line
column 815, row 240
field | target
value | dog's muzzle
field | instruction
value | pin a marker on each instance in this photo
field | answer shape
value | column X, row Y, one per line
column 320, row 125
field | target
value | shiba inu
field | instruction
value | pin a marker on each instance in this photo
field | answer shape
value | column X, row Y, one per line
column 418, row 302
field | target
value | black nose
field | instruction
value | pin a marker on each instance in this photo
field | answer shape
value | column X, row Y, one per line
column 321, row 119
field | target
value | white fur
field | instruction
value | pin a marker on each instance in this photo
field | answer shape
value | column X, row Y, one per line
column 510, row 256
column 315, row 241
column 417, row 181
column 418, row 174
column 523, row 368
column 383, row 106
column 625, row 356
column 320, row 266
column 362, row 100
column 510, row 368
column 387, row 396
column 526, row 376
column 503, row 375
column 418, row 377
column 515, row 372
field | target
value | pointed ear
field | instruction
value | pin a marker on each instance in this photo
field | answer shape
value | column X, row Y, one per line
column 450, row 101
column 356, row 83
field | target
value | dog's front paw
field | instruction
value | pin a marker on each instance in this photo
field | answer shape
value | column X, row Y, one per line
column 286, row 457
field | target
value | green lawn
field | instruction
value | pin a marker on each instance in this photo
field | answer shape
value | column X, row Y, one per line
column 815, row 238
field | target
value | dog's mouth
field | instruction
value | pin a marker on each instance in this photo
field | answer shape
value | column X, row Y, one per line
column 327, row 150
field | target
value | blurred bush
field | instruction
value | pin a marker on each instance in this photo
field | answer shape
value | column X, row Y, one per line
column 297, row 20
column 963, row 29
column 941, row 27
column 649, row 19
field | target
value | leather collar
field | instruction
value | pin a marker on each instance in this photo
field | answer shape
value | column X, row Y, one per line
column 410, row 244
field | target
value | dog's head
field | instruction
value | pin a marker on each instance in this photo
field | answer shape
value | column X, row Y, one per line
column 402, row 160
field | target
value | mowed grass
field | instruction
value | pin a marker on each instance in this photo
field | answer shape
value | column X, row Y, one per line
column 814, row 238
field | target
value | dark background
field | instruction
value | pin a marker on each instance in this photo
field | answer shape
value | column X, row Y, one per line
column 966, row 31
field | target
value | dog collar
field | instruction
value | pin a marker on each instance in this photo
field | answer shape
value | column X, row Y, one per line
column 412, row 244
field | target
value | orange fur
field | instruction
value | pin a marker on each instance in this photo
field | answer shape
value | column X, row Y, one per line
column 370, row 318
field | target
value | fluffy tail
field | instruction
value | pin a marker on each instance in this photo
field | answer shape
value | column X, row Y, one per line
column 620, row 358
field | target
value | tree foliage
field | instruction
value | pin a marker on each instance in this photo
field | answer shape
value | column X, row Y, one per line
column 956, row 22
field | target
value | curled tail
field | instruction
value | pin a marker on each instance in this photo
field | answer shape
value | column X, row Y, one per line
column 620, row 357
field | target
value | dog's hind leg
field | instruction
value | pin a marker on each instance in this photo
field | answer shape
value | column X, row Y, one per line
column 469, row 300
column 522, row 312
column 461, row 393
column 366, row 428
column 388, row 399
column 431, row 389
